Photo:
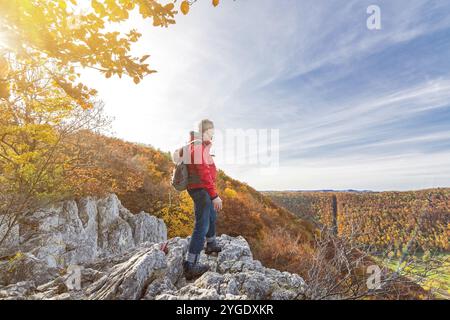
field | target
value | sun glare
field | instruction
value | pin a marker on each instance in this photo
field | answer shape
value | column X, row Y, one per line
column 3, row 42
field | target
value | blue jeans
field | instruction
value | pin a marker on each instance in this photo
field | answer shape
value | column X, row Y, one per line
column 205, row 220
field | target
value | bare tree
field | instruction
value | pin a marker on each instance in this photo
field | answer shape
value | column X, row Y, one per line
column 344, row 268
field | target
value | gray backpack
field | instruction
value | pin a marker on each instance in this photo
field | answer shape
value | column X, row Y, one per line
column 180, row 176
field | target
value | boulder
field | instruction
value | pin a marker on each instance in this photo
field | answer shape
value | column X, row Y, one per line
column 120, row 256
column 80, row 232
column 9, row 237
column 25, row 267
column 129, row 280
column 17, row 291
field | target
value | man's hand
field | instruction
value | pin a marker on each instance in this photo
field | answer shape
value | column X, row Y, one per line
column 217, row 202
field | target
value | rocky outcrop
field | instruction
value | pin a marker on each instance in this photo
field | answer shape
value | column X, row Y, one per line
column 124, row 256
column 23, row 267
column 73, row 232
column 234, row 274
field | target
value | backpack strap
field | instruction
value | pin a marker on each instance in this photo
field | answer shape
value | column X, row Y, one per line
column 195, row 140
column 180, row 152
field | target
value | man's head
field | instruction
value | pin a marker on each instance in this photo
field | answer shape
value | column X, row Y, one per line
column 206, row 128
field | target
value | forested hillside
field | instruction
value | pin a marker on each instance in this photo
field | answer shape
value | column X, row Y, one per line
column 407, row 231
column 379, row 219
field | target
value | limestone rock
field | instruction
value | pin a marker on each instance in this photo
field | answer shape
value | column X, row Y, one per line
column 25, row 267
column 17, row 291
column 10, row 237
column 119, row 256
column 77, row 233
column 129, row 280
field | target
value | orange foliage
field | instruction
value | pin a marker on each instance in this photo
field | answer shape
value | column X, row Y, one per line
column 382, row 219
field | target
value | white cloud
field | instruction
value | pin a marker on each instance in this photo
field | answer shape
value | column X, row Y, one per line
column 229, row 63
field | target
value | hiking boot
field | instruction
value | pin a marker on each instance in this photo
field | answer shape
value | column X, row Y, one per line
column 212, row 248
column 194, row 270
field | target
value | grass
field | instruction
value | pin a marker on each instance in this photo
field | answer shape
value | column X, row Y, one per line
column 432, row 274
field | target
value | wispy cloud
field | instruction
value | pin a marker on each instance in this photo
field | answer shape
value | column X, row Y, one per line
column 352, row 105
column 340, row 123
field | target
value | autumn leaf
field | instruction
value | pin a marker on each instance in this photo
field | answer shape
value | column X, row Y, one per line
column 4, row 90
column 144, row 58
column 62, row 4
column 68, row 38
column 184, row 7
column 4, row 68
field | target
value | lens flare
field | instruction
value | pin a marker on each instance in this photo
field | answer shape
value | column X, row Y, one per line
column 3, row 40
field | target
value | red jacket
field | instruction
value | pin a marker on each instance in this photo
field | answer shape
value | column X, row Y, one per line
column 202, row 169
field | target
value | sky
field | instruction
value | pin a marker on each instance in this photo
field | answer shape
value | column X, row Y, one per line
column 354, row 108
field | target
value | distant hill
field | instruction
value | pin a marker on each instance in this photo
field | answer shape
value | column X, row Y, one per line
column 319, row 190
column 389, row 218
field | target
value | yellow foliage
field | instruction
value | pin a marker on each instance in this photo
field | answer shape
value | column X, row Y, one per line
column 4, row 68
column 4, row 89
column 230, row 193
column 179, row 218
column 185, row 7
column 49, row 30
column 380, row 219
column 16, row 257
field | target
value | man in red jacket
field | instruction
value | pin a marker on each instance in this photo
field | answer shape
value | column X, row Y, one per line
column 202, row 178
